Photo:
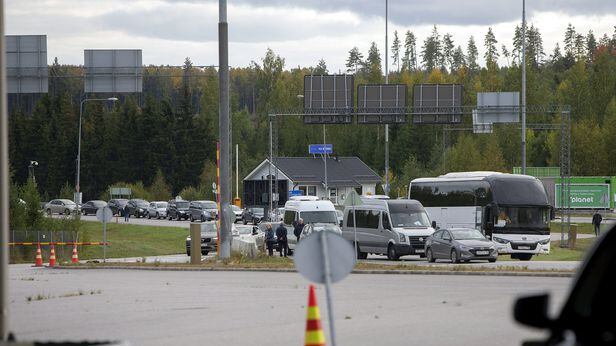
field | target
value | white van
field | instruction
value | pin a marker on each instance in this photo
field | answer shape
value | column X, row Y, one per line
column 387, row 227
column 311, row 210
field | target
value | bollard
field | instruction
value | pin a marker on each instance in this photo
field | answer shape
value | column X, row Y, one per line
column 195, row 243
column 573, row 235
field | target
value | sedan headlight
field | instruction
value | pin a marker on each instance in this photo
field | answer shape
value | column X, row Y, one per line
column 465, row 248
column 544, row 241
column 402, row 238
column 500, row 240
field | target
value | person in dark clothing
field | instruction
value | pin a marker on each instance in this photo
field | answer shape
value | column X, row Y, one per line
column 270, row 239
column 596, row 221
column 283, row 243
column 126, row 213
column 297, row 228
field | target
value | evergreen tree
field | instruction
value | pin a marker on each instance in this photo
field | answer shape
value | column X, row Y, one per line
column 431, row 51
column 409, row 62
column 373, row 64
column 355, row 60
column 491, row 54
column 505, row 53
column 471, row 55
column 458, row 59
column 591, row 45
column 321, row 68
column 570, row 37
column 448, row 51
column 534, row 47
column 580, row 47
column 395, row 51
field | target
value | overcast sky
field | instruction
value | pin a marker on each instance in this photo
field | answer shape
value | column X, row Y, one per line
column 302, row 32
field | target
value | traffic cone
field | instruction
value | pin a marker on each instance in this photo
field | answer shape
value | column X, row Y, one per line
column 52, row 257
column 314, row 332
column 75, row 258
column 38, row 262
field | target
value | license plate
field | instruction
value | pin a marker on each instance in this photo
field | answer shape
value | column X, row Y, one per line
column 524, row 247
column 419, row 251
column 480, row 253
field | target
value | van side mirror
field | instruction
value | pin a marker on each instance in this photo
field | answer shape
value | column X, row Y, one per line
column 434, row 224
column 533, row 311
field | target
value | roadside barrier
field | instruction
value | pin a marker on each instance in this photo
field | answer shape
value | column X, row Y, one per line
column 314, row 331
column 52, row 257
column 38, row 261
column 58, row 243
column 75, row 258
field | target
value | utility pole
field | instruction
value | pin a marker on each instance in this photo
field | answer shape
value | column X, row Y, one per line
column 523, row 86
column 4, row 189
column 223, row 75
column 386, row 189
column 325, row 163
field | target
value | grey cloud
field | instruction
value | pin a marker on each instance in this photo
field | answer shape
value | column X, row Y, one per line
column 449, row 12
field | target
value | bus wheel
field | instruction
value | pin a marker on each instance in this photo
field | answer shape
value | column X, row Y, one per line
column 391, row 253
column 360, row 255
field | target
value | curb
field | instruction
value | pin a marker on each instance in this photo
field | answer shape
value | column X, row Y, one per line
column 355, row 271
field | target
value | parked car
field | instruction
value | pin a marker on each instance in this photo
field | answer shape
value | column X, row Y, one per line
column 238, row 213
column 117, row 205
column 460, row 244
column 138, row 207
column 203, row 211
column 90, row 207
column 253, row 214
column 178, row 209
column 319, row 227
column 209, row 238
column 157, row 209
column 61, row 206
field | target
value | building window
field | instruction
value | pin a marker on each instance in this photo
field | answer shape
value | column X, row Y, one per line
column 310, row 190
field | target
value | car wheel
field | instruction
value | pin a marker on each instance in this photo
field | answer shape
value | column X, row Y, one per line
column 157, row 216
column 254, row 222
column 192, row 219
column 202, row 218
column 454, row 256
column 179, row 218
column 188, row 253
column 360, row 255
column 430, row 256
column 525, row 256
column 391, row 253
column 204, row 253
column 49, row 212
column 243, row 220
column 492, row 260
column 67, row 212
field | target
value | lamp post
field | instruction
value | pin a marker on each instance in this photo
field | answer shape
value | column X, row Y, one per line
column 77, row 197
column 31, row 169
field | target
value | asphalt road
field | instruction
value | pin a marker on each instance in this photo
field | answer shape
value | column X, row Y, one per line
column 240, row 308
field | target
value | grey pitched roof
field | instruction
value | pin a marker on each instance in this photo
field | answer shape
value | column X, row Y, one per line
column 341, row 171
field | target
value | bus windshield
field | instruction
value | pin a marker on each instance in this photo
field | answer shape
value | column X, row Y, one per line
column 319, row 217
column 523, row 217
column 410, row 218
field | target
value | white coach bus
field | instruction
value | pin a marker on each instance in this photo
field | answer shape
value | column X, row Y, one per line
column 511, row 209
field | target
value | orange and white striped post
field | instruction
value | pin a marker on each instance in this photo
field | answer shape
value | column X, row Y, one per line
column 314, row 331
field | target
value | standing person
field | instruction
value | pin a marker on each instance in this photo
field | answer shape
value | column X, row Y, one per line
column 596, row 221
column 283, row 243
column 270, row 239
column 126, row 213
column 298, row 227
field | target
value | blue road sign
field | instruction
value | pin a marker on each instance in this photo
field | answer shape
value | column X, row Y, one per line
column 320, row 149
column 295, row 193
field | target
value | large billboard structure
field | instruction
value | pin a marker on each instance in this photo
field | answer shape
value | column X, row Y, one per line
column 498, row 107
column 26, row 64
column 381, row 104
column 585, row 196
column 328, row 99
column 437, row 103
column 113, row 70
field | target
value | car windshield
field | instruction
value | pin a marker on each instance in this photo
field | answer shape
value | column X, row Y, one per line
column 161, row 205
column 257, row 211
column 520, row 217
column 67, row 202
column 410, row 218
column 236, row 208
column 99, row 203
column 141, row 203
column 319, row 217
column 208, row 227
column 209, row 205
column 463, row 234
column 181, row 204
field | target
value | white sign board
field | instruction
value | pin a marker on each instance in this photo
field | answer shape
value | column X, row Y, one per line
column 113, row 70
column 26, row 64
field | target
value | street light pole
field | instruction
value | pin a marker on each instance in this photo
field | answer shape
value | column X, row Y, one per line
column 523, row 86
column 77, row 197
column 4, row 190
column 386, row 189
